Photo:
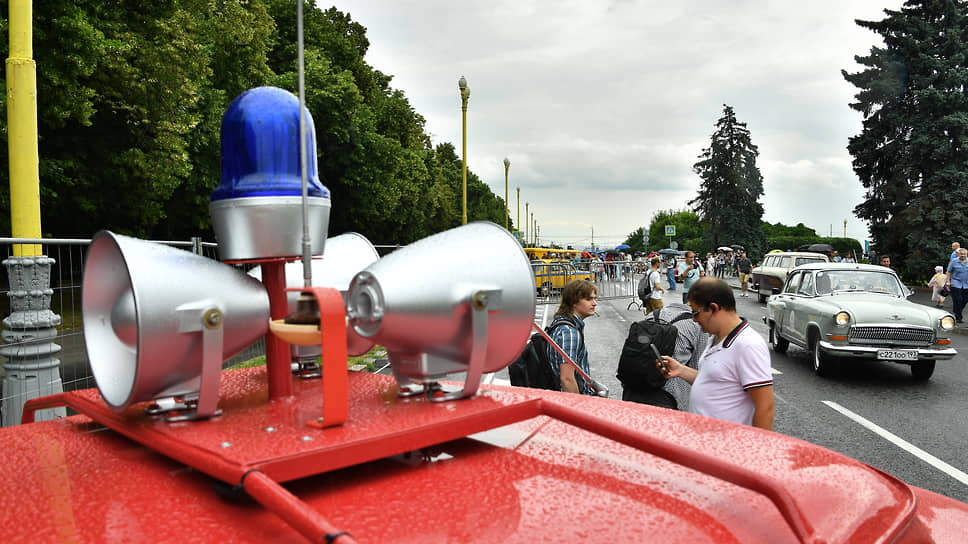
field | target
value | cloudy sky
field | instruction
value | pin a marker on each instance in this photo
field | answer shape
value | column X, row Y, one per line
column 603, row 107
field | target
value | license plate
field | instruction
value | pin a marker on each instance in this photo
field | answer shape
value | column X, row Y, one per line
column 897, row 354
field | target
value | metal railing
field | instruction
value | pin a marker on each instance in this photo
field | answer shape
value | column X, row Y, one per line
column 614, row 280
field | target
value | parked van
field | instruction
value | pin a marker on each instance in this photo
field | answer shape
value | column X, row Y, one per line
column 772, row 272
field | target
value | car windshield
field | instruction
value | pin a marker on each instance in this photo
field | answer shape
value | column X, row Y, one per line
column 832, row 281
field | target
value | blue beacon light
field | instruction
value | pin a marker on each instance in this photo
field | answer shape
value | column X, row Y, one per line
column 257, row 208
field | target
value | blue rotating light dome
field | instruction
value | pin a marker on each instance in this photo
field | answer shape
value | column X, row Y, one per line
column 257, row 208
column 260, row 147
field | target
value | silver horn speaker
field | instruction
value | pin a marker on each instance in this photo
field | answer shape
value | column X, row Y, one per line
column 459, row 301
column 159, row 321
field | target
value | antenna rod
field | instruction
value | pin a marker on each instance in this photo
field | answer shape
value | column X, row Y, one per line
column 307, row 256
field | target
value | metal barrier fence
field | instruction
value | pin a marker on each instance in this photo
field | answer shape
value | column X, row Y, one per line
column 614, row 280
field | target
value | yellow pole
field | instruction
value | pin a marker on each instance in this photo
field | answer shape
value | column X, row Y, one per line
column 517, row 224
column 465, row 93
column 507, row 164
column 22, row 131
column 527, row 225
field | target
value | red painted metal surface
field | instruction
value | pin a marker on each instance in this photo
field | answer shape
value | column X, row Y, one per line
column 278, row 356
column 408, row 474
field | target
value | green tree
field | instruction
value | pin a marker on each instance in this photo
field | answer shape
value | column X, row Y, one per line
column 912, row 154
column 634, row 241
column 130, row 99
column 728, row 199
column 688, row 230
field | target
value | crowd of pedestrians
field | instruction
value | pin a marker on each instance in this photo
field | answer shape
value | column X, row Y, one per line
column 720, row 368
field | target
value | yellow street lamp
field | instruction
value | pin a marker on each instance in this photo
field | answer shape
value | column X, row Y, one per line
column 465, row 93
column 527, row 225
column 534, row 231
column 517, row 224
column 507, row 164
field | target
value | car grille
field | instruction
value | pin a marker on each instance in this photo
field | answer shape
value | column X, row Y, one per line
column 878, row 335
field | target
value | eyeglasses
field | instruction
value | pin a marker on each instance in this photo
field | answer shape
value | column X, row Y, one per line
column 695, row 313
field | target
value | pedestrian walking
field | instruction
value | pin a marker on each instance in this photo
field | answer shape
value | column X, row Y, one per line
column 957, row 282
column 937, row 283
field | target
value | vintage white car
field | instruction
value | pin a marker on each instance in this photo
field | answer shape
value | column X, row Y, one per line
column 843, row 311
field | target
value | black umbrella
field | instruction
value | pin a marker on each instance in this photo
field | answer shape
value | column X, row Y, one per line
column 817, row 248
column 668, row 252
column 737, row 246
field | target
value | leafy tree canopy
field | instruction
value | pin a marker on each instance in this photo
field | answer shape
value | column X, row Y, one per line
column 730, row 187
column 912, row 153
column 130, row 101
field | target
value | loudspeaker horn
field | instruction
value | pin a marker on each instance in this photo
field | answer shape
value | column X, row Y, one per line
column 159, row 321
column 459, row 301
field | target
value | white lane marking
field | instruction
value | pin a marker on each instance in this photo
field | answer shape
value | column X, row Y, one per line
column 903, row 444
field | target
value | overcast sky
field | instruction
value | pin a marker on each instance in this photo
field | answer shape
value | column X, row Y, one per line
column 603, row 107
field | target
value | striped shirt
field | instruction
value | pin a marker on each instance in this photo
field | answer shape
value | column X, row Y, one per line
column 570, row 339
column 690, row 344
column 727, row 372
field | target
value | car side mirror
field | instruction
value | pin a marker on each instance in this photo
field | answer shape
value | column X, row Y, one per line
column 907, row 291
column 775, row 290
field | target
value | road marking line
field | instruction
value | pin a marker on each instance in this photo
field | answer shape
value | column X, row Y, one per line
column 903, row 444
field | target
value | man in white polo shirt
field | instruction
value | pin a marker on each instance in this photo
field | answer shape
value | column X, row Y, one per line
column 734, row 381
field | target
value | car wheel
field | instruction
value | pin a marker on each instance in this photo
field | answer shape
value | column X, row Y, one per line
column 779, row 344
column 922, row 370
column 761, row 297
column 822, row 363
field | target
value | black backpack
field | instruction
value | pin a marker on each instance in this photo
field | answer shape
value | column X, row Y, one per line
column 533, row 368
column 645, row 286
column 636, row 365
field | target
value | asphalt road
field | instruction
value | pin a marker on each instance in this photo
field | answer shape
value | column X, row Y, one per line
column 873, row 412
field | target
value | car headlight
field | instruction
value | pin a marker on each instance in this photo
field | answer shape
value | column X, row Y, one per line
column 947, row 322
column 842, row 318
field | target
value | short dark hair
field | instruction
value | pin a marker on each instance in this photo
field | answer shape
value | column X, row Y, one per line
column 708, row 290
column 882, row 257
column 572, row 294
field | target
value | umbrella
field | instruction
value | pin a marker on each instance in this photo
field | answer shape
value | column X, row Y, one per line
column 668, row 252
column 819, row 248
column 724, row 248
column 622, row 246
column 737, row 246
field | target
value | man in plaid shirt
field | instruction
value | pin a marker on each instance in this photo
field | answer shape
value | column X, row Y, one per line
column 578, row 301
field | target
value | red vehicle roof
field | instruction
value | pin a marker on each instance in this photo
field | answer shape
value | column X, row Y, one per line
column 509, row 465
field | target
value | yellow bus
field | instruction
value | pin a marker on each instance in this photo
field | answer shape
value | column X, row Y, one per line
column 554, row 268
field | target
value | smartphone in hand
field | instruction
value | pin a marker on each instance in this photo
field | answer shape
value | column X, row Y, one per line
column 658, row 357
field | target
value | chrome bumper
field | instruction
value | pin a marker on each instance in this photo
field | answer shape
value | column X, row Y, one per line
column 870, row 352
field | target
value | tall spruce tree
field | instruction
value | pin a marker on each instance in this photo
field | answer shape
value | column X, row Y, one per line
column 728, row 201
column 912, row 154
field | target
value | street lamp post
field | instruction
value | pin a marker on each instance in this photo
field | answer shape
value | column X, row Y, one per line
column 465, row 93
column 517, row 223
column 507, row 164
column 534, row 231
column 527, row 225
